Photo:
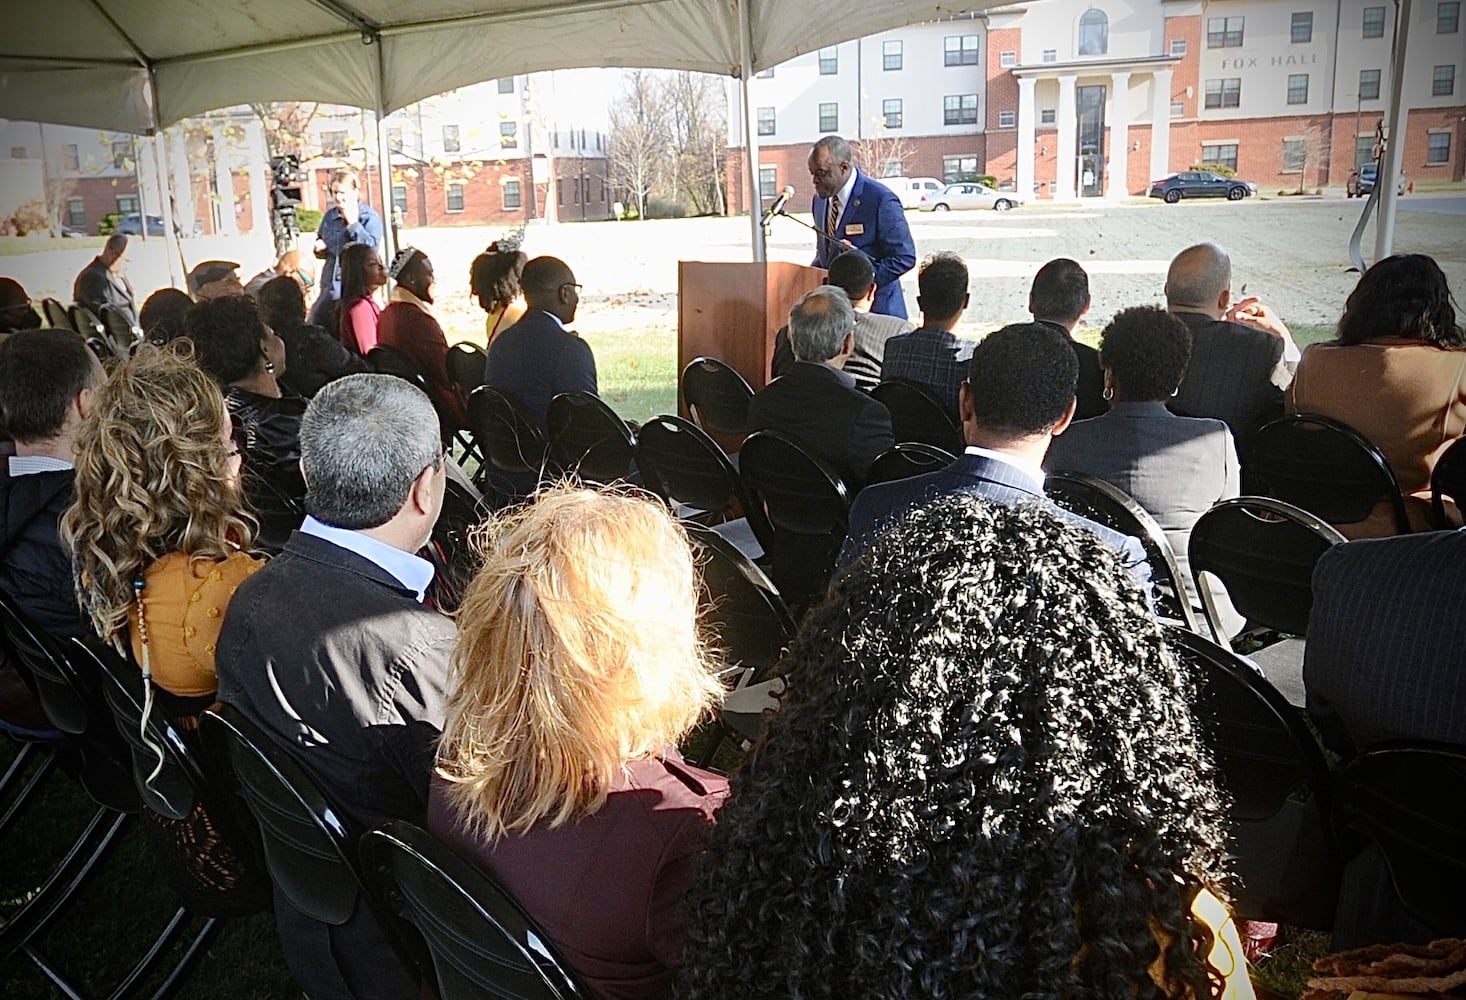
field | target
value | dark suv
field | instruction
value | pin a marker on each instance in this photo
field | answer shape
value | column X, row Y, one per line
column 1200, row 184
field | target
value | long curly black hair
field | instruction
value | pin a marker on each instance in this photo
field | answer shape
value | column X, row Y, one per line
column 985, row 781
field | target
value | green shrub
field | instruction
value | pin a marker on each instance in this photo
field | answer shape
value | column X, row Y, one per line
column 109, row 222
column 307, row 220
column 665, row 208
column 1217, row 168
column 987, row 180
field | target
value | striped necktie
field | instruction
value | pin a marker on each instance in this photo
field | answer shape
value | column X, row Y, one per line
column 834, row 215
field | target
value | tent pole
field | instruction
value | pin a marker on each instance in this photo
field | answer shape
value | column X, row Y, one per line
column 752, row 198
column 173, row 251
column 384, row 156
column 1387, row 182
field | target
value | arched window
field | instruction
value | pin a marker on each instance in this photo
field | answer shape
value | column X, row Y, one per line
column 1094, row 33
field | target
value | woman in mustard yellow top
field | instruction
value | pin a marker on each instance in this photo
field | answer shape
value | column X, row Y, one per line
column 494, row 280
column 985, row 780
column 159, row 534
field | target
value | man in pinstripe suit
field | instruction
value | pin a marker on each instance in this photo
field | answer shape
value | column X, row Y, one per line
column 1018, row 395
column 1242, row 355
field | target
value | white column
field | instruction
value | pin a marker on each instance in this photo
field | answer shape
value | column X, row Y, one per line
column 224, row 180
column 1068, row 131
column 182, row 180
column 1160, row 125
column 1025, row 137
column 1117, row 185
column 259, row 168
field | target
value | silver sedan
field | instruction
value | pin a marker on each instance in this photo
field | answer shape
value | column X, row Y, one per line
column 969, row 196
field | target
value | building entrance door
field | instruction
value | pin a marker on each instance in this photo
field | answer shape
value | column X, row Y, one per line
column 1091, row 141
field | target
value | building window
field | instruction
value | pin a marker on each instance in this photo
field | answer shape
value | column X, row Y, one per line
column 1447, row 18
column 559, row 192
column 768, row 182
column 1221, row 154
column 1005, row 119
column 1178, row 109
column 333, row 143
column 455, row 197
column 1051, row 55
column 1295, row 154
column 399, row 198
column 1047, row 116
column 1437, row 147
column 893, row 168
column 1302, row 28
column 1224, row 32
column 1369, row 84
column 891, row 109
column 1363, row 150
column 450, row 139
column 1374, row 22
column 957, row 169
column 765, row 121
column 394, row 139
column 76, row 213
column 830, row 117
column 19, row 153
column 71, row 156
column 829, row 61
column 506, row 84
column 1178, row 47
column 1225, row 93
column 127, row 204
column 511, row 193
column 890, row 55
column 1297, row 88
column 575, row 194
column 959, row 109
column 1094, row 33
column 508, row 135
column 1007, row 60
column 1443, row 81
column 122, row 153
column 961, row 50
column 765, row 74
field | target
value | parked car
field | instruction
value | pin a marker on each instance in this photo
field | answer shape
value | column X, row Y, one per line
column 911, row 189
column 1361, row 183
column 1200, row 184
column 969, row 196
column 132, row 225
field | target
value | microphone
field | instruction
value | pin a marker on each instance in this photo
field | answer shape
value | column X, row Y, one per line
column 777, row 207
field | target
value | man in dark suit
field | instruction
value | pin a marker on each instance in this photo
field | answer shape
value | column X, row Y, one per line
column 1242, row 355
column 932, row 354
column 851, row 210
column 102, row 283
column 539, row 357
column 1059, row 297
column 331, row 652
column 1019, row 394
column 818, row 404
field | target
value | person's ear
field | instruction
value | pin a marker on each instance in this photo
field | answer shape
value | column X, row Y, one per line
column 966, row 298
column 83, row 403
column 965, row 408
column 1224, row 300
column 422, row 490
column 1087, row 303
column 1065, row 420
column 847, row 347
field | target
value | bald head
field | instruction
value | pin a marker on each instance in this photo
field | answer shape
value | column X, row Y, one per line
column 549, row 284
column 115, row 248
column 1200, row 281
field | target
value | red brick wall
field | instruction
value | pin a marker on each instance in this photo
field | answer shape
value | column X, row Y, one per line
column 1001, row 158
column 99, row 195
column 1418, row 126
column 1186, row 73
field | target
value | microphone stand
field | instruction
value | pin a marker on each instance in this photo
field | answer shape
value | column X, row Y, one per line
column 839, row 247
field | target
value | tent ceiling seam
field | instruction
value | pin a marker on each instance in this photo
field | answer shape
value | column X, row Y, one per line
column 138, row 53
column 350, row 15
column 505, row 17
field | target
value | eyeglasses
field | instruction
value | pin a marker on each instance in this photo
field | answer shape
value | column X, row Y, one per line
column 574, row 285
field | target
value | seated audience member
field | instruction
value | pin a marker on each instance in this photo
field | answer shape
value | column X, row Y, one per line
column 312, row 356
column 1018, row 396
column 158, row 531
column 408, row 325
column 1174, row 467
column 292, row 264
column 1382, row 664
column 539, row 357
column 853, row 273
column 48, row 385
column 494, row 279
column 16, row 311
column 242, row 353
column 931, row 354
column 1059, row 297
column 579, row 646
column 215, row 279
column 362, row 273
column 1242, row 355
column 103, row 283
column 330, row 650
column 818, row 404
column 163, row 314
column 1396, row 374
column 985, row 780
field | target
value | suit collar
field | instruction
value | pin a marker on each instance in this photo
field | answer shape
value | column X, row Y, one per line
column 821, row 372
column 999, row 472
column 325, row 553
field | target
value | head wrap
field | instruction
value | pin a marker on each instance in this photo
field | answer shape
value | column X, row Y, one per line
column 400, row 262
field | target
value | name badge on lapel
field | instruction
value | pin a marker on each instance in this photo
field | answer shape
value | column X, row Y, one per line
column 854, row 229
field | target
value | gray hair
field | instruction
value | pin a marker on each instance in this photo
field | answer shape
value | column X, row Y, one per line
column 837, row 147
column 1197, row 277
column 820, row 322
column 364, row 439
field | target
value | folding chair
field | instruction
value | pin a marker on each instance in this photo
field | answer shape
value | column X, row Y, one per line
column 716, row 396
column 907, row 459
column 588, row 439
column 686, row 468
column 56, row 316
column 918, row 415
column 122, row 334
column 448, row 548
column 390, row 361
column 466, row 368
column 1448, row 479
column 509, row 440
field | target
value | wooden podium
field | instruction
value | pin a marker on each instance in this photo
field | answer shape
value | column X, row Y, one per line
column 731, row 311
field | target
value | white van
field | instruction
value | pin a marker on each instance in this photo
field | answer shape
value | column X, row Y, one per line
column 911, row 189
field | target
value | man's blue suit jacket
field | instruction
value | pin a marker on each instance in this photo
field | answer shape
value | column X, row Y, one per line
column 874, row 222
column 876, row 507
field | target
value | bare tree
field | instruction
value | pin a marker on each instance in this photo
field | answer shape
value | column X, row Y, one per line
column 639, row 137
column 287, row 126
column 881, row 147
column 697, row 123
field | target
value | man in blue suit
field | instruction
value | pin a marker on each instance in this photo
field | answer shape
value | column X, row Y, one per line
column 851, row 210
column 1018, row 395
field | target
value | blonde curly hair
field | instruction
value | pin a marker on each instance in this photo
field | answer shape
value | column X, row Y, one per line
column 152, row 477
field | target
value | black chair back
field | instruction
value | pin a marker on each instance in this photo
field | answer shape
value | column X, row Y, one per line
column 716, row 396
column 390, row 361
column 907, row 459
column 1322, row 466
column 1448, row 479
column 918, row 415
column 466, row 367
column 1263, row 551
column 509, row 439
column 1409, row 801
column 682, row 465
column 1107, row 504
column 807, row 505
column 482, row 943
column 448, row 548
column 739, row 604
column 1278, row 781
column 84, row 321
column 122, row 334
column 588, row 439
column 56, row 316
